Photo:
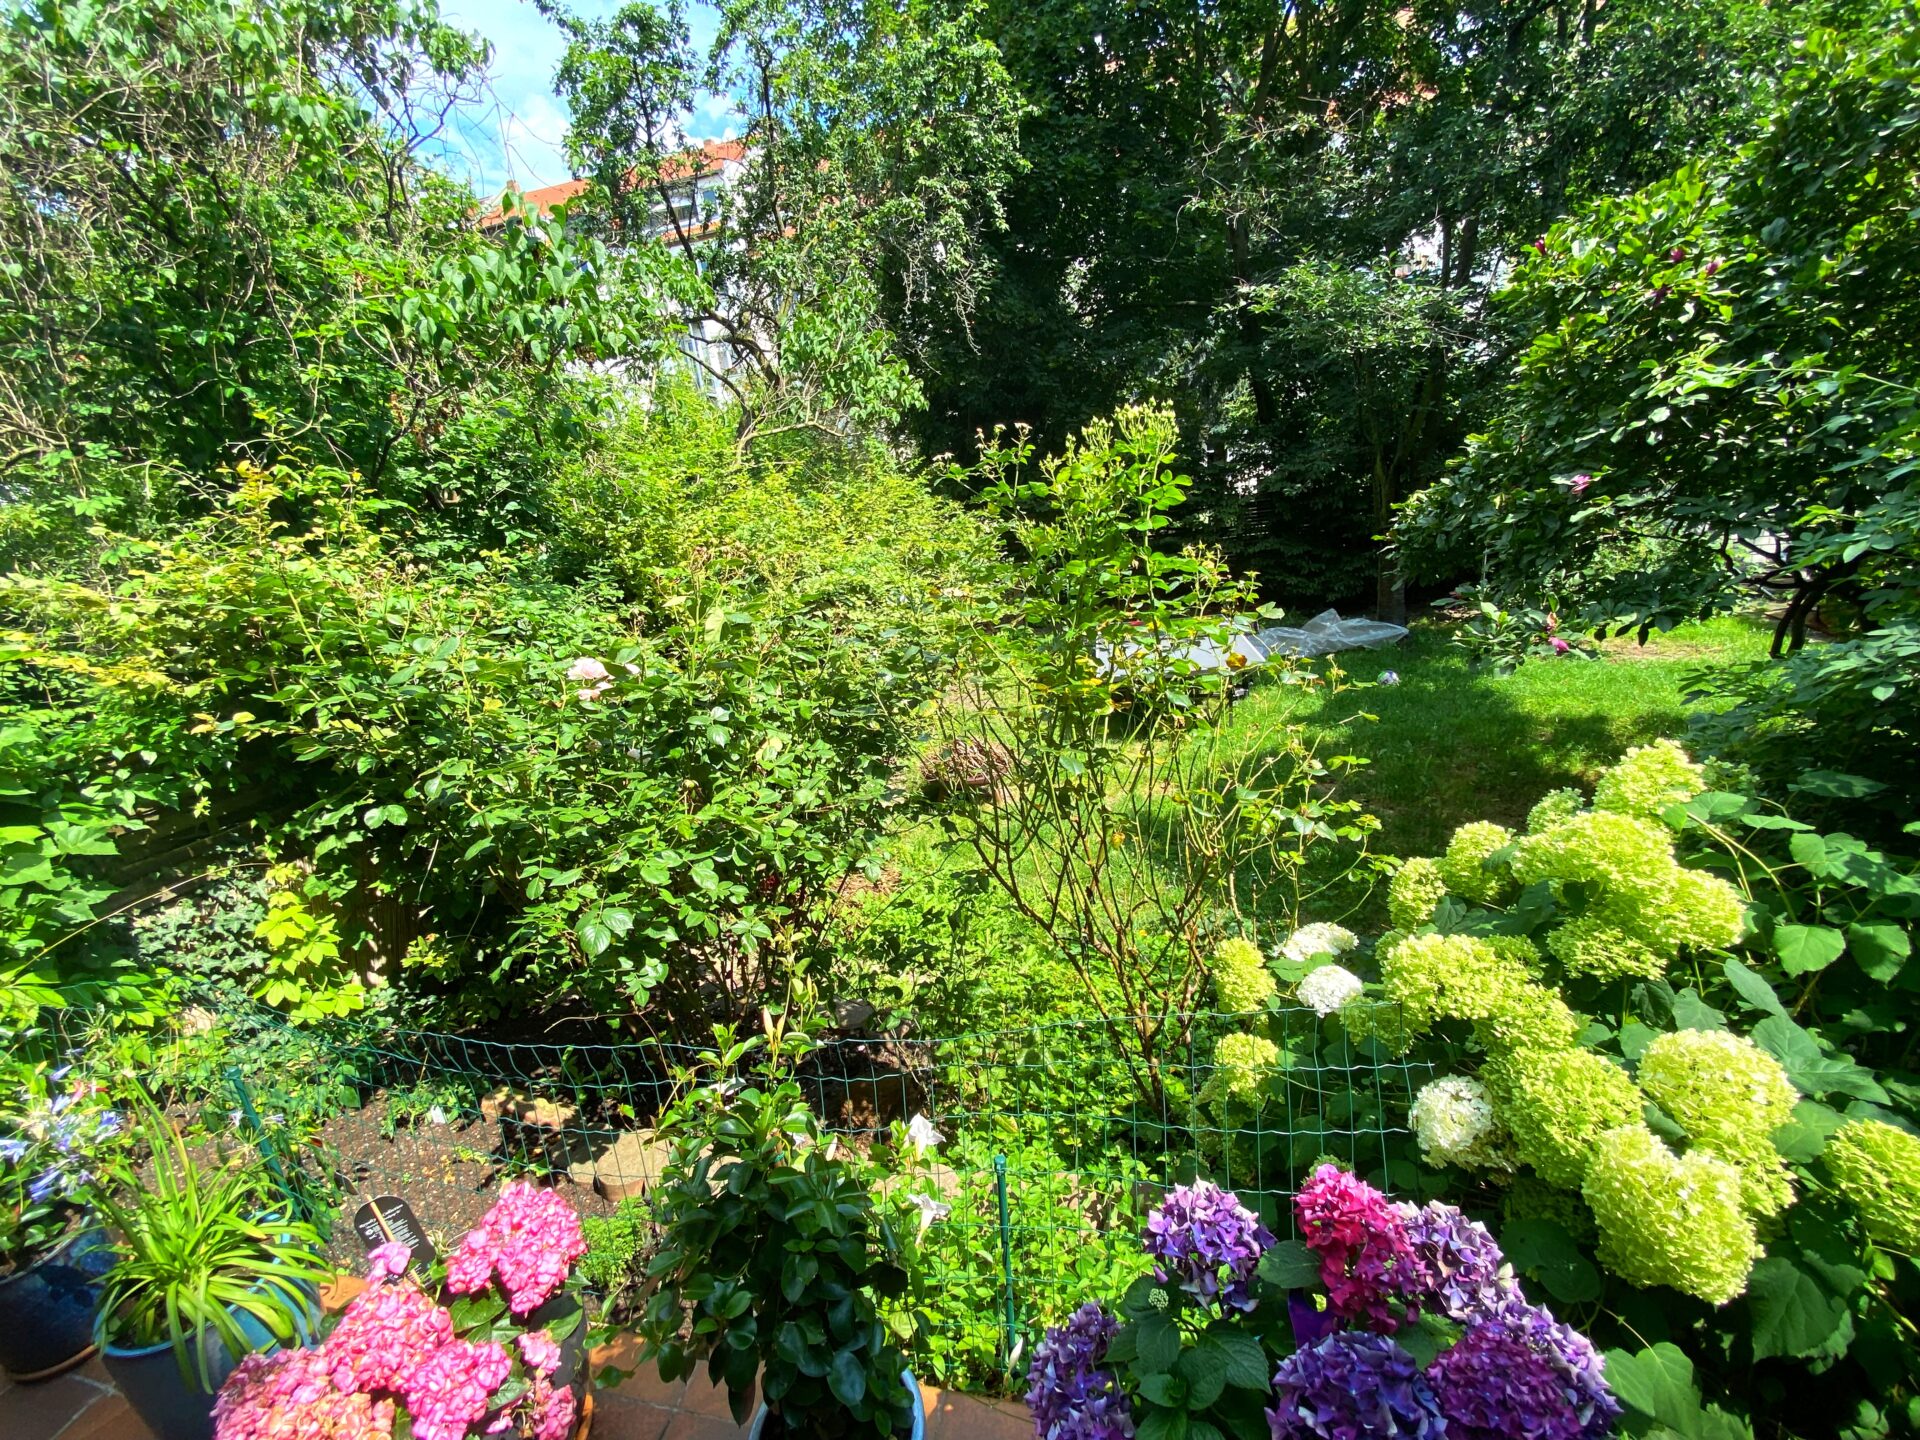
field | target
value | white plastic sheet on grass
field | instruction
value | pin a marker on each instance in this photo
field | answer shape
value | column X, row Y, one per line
column 1322, row 635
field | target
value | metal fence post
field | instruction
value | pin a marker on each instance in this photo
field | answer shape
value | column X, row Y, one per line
column 1006, row 1252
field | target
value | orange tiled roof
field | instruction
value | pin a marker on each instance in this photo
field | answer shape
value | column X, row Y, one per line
column 689, row 164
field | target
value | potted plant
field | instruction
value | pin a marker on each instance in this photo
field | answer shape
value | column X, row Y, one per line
column 51, row 1254
column 770, row 1255
column 489, row 1343
column 203, row 1273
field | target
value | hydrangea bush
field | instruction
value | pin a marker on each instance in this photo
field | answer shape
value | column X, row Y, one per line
column 1625, row 1065
column 1383, row 1320
column 401, row 1360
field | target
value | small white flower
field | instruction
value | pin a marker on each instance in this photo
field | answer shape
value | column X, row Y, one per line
column 436, row 1116
column 1317, row 939
column 1157, row 1298
column 930, row 1210
column 921, row 1134
column 586, row 669
column 1455, row 1124
column 1328, row 988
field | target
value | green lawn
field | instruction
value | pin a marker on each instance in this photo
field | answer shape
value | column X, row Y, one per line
column 1451, row 744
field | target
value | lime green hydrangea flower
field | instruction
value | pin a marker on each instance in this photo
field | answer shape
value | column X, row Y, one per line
column 1517, row 948
column 1446, row 976
column 1591, row 945
column 1877, row 1167
column 1241, row 980
column 1669, row 1219
column 1557, row 1103
column 1648, row 779
column 1552, row 808
column 1529, row 1017
column 1607, row 851
column 1241, row 1066
column 1463, row 869
column 1412, row 894
column 1729, row 1095
column 1702, row 911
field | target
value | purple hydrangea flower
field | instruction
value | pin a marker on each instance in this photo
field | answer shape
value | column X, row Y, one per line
column 1492, row 1385
column 1353, row 1385
column 1208, row 1242
column 1466, row 1276
column 1581, row 1373
column 1071, row 1397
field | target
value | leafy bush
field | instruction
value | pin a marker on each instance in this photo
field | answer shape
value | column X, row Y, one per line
column 1578, row 988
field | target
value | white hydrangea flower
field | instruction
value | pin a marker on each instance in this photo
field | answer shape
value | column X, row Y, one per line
column 1328, row 988
column 1454, row 1122
column 1317, row 939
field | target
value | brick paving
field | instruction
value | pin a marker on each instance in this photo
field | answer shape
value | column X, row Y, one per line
column 83, row 1405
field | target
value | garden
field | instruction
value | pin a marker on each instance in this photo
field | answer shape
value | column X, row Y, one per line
column 827, row 862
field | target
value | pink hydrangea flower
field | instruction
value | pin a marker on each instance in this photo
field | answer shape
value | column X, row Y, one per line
column 557, row 1415
column 384, row 1333
column 540, row 1350
column 388, row 1260
column 288, row 1395
column 448, row 1391
column 530, row 1239
column 1366, row 1256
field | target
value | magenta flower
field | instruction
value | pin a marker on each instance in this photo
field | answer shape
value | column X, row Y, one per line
column 1366, row 1255
column 540, row 1350
column 388, row 1260
column 1578, row 485
column 530, row 1239
column 1560, row 647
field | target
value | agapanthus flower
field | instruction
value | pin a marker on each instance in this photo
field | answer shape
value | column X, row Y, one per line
column 1366, row 1256
column 1454, row 1122
column 1070, row 1395
column 1241, row 980
column 1877, row 1167
column 1207, row 1242
column 530, row 1239
column 1493, row 1386
column 1464, row 868
column 1353, row 1385
column 1467, row 1278
column 1328, row 988
column 1319, row 938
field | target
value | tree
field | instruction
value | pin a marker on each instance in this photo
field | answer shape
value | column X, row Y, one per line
column 877, row 139
column 1718, row 401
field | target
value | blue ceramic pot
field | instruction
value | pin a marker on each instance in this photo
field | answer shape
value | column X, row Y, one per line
column 171, row 1405
column 47, row 1309
column 919, row 1431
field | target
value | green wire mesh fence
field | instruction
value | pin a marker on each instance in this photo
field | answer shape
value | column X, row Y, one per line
column 1051, row 1147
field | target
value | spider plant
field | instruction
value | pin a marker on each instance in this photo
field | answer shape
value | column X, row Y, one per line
column 197, row 1250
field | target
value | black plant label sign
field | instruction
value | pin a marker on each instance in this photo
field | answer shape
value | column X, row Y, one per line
column 388, row 1217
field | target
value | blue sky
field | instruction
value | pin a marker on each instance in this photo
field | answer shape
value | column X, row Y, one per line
column 518, row 132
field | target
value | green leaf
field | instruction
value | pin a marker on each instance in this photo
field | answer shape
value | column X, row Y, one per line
column 1163, row 1425
column 1793, row 1313
column 1545, row 1250
column 1159, row 1345
column 1247, row 1367
column 847, row 1378
column 1805, row 948
column 1657, row 1383
column 1426, row 1338
column 1812, row 1071
column 1751, row 987
column 1690, row 1012
column 1879, row 948
column 1204, row 1368
column 1290, row 1265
